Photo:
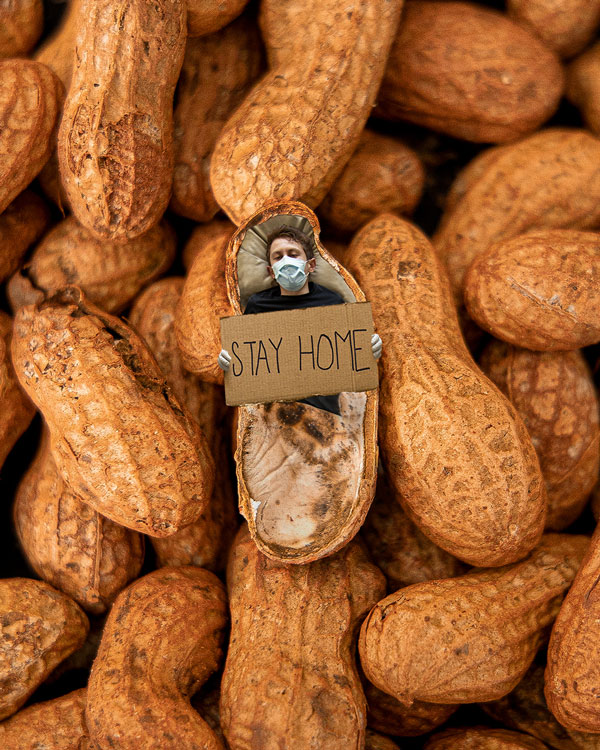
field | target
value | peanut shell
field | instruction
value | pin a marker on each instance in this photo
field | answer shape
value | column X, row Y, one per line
column 549, row 180
column 115, row 138
column 374, row 741
column 290, row 679
column 30, row 98
column 382, row 175
column 39, row 627
column 565, row 26
column 161, row 642
column 206, row 541
column 555, row 396
column 57, row 724
column 456, row 452
column 58, row 50
column 208, row 16
column 469, row 72
column 293, row 133
column 572, row 674
column 21, row 23
column 20, row 225
column 70, row 545
column 120, row 439
column 583, row 87
column 16, row 407
column 110, row 274
column 470, row 638
column 482, row 738
column 539, row 290
column 204, row 301
column 217, row 72
column 306, row 477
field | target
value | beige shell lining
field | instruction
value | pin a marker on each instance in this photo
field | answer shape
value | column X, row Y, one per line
column 252, row 261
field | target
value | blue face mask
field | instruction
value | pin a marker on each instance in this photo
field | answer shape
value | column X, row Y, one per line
column 290, row 273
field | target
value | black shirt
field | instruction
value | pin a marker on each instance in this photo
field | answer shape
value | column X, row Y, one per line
column 272, row 300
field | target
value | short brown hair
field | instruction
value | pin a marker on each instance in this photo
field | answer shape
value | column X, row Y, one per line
column 290, row 233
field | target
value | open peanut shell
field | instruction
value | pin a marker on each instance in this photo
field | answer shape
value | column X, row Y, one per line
column 306, row 477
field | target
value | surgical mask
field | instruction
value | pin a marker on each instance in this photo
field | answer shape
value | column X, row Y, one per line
column 290, row 273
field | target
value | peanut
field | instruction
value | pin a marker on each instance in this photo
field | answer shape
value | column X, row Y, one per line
column 39, row 627
column 30, row 96
column 456, row 453
column 296, row 129
column 208, row 16
column 217, row 72
column 120, row 438
column 20, row 225
column 549, row 180
column 21, row 23
column 69, row 544
column 290, row 679
column 482, row 739
column 161, row 642
column 469, row 638
column 539, row 290
column 374, row 741
column 582, row 85
column 115, row 138
column 470, row 72
column 110, row 274
column 555, row 396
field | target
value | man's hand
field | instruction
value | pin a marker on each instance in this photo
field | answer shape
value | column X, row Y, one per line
column 376, row 346
column 224, row 360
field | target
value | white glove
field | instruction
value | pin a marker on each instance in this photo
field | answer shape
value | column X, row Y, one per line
column 376, row 346
column 224, row 360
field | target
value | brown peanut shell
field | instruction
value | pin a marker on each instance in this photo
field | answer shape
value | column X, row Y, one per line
column 30, row 99
column 555, row 396
column 456, row 452
column 572, row 674
column 204, row 301
column 110, row 274
column 58, row 50
column 469, row 72
column 525, row 709
column 57, row 724
column 399, row 548
column 296, row 129
column 70, row 545
column 583, row 85
column 470, row 638
column 20, row 225
column 383, row 174
column 290, row 679
column 374, row 741
column 39, row 627
column 386, row 714
column 120, row 438
column 115, row 138
column 162, row 640
column 482, row 738
column 565, row 26
column 21, row 23
column 15, row 406
column 539, row 290
column 217, row 72
column 549, row 180
column 206, row 541
column 306, row 477
column 208, row 16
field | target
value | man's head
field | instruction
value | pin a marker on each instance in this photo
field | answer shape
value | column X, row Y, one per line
column 291, row 242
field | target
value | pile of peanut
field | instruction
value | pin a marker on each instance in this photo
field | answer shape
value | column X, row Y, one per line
column 136, row 137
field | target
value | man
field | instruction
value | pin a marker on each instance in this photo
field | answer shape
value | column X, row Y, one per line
column 291, row 260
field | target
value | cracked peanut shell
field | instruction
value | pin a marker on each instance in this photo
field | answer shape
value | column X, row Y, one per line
column 290, row 679
column 455, row 450
column 470, row 638
column 120, row 438
column 162, row 640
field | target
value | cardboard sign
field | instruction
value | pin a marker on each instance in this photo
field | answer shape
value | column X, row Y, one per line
column 292, row 354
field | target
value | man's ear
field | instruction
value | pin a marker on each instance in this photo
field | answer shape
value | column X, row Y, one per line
column 270, row 270
column 311, row 265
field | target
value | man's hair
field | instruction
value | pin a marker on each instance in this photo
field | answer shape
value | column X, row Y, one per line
column 290, row 233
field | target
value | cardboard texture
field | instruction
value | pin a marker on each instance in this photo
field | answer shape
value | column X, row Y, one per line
column 292, row 354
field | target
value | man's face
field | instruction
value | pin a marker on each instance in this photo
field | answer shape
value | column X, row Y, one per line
column 285, row 246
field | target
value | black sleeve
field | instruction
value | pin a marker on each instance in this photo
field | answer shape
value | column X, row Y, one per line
column 250, row 307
